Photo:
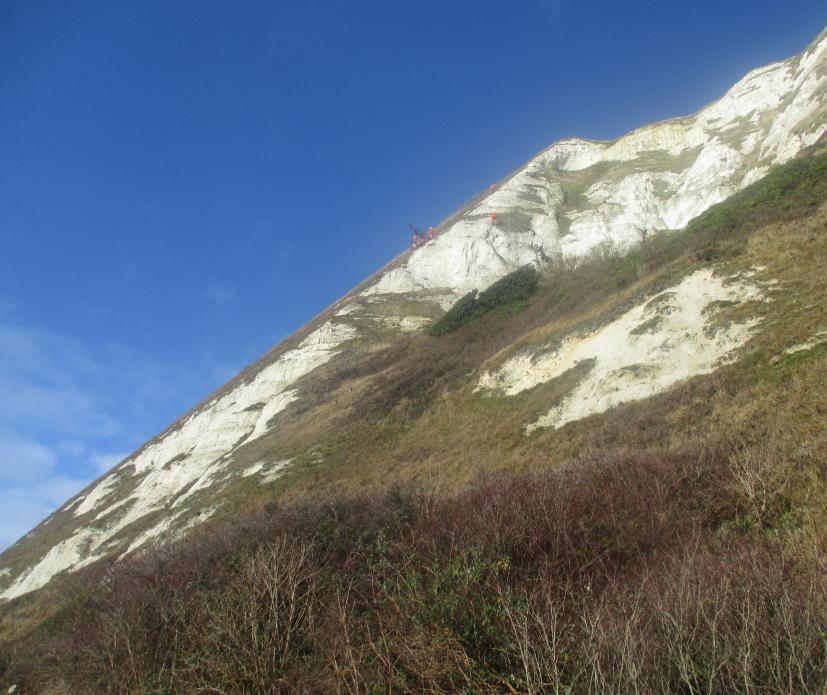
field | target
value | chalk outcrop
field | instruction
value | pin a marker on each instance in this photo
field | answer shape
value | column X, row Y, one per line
column 578, row 194
column 193, row 455
column 667, row 338
column 572, row 198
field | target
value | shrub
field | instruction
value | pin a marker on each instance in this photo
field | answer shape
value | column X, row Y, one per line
column 695, row 568
column 508, row 295
column 787, row 192
column 592, row 578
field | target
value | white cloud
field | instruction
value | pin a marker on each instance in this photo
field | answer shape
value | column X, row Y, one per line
column 24, row 460
column 31, row 487
column 46, row 378
column 57, row 388
column 71, row 447
column 67, row 410
column 70, row 412
column 18, row 515
column 63, row 407
column 24, row 506
column 221, row 294
column 55, row 358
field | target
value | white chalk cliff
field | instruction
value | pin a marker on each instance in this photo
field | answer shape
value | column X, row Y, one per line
column 665, row 339
column 579, row 194
column 573, row 197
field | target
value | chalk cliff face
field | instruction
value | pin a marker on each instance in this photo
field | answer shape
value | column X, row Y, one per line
column 650, row 347
column 579, row 194
column 574, row 197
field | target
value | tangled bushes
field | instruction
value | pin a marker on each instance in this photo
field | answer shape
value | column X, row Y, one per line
column 619, row 574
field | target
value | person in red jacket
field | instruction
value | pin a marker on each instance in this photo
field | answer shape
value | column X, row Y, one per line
column 431, row 232
column 494, row 218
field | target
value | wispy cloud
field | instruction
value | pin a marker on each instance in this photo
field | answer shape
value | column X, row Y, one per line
column 71, row 410
column 24, row 460
column 31, row 486
column 221, row 294
column 45, row 378
column 68, row 413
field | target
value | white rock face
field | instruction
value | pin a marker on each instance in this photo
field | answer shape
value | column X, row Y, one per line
column 652, row 346
column 189, row 458
column 570, row 199
column 653, row 179
column 407, row 324
column 475, row 252
column 267, row 471
column 167, row 529
column 66, row 554
column 816, row 340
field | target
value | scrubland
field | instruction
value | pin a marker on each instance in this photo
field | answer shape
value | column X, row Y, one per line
column 675, row 544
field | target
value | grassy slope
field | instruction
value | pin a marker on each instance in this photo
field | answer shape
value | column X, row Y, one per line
column 412, row 402
column 305, row 429
column 406, row 412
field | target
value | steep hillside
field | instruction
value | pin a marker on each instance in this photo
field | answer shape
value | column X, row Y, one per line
column 628, row 311
column 606, row 494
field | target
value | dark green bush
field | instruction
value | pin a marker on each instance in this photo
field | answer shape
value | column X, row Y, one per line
column 508, row 295
column 458, row 315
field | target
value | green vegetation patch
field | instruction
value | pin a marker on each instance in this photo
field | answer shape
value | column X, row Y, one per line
column 790, row 191
column 507, row 295
column 649, row 326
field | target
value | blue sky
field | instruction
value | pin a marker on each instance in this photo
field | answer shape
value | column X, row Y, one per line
column 182, row 185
